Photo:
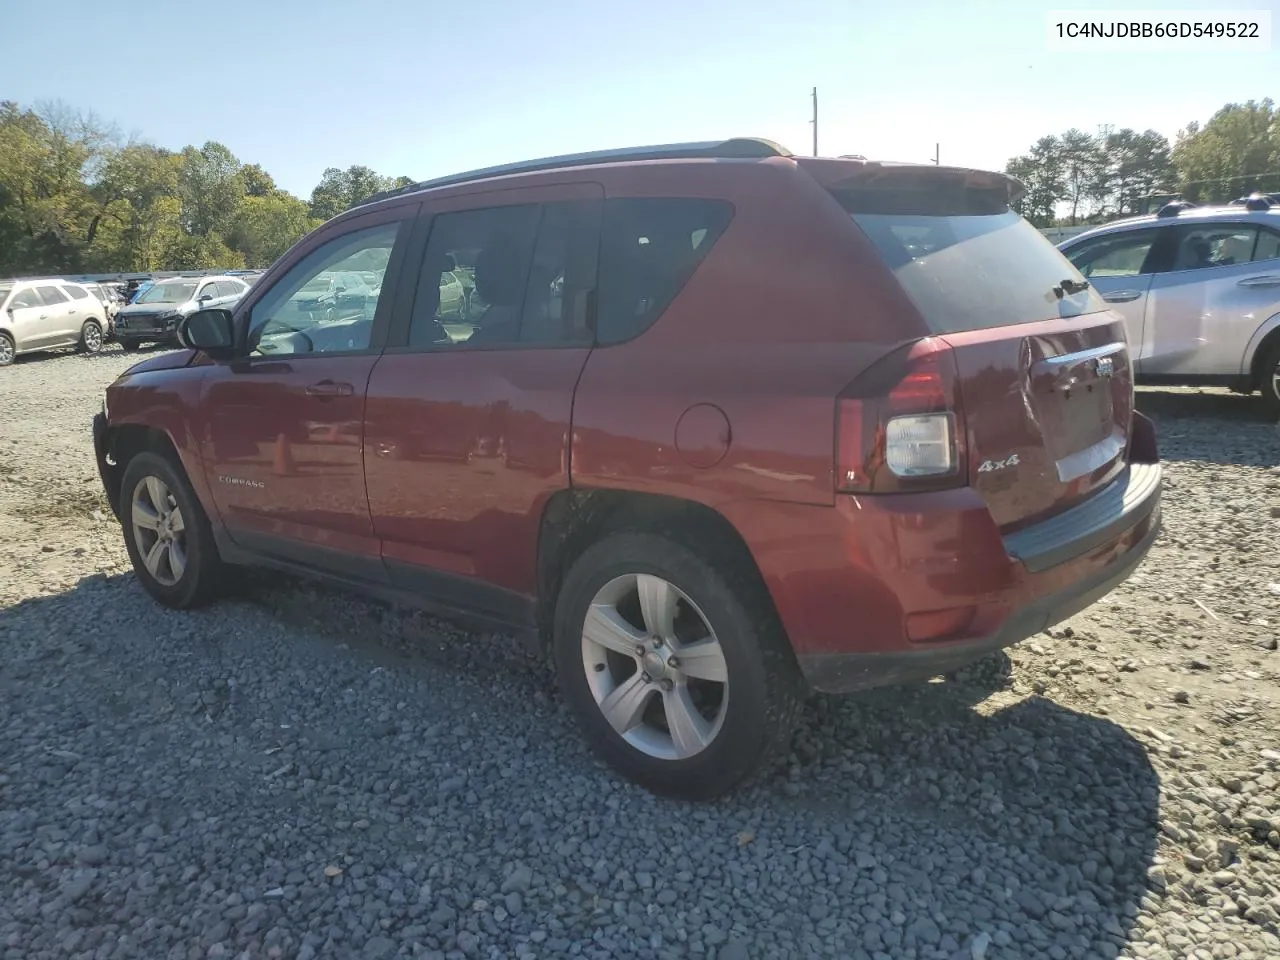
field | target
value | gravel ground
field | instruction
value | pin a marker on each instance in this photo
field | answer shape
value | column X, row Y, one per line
column 296, row 773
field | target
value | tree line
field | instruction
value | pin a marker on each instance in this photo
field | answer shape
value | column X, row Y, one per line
column 1078, row 177
column 77, row 197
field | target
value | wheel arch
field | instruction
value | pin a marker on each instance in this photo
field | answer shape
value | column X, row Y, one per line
column 574, row 519
column 1262, row 342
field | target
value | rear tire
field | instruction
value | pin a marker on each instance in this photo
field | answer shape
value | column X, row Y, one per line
column 90, row 337
column 682, row 735
column 168, row 535
column 1269, row 381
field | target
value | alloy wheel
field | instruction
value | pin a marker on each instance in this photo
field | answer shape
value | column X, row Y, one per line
column 6, row 351
column 92, row 337
column 159, row 530
column 655, row 667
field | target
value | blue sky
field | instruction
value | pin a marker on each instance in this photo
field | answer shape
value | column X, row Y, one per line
column 426, row 89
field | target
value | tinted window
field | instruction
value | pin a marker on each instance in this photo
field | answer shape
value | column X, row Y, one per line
column 506, row 275
column 77, row 292
column 975, row 272
column 1117, row 255
column 52, row 296
column 299, row 313
column 1268, row 247
column 649, row 247
column 1214, row 245
column 26, row 298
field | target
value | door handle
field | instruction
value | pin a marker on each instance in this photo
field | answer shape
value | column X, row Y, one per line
column 1121, row 296
column 1266, row 280
column 327, row 388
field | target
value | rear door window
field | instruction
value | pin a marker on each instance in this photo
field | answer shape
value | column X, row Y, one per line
column 1203, row 245
column 502, row 276
column 649, row 248
column 77, row 292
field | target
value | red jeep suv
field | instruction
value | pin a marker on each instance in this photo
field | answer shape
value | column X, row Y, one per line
column 716, row 423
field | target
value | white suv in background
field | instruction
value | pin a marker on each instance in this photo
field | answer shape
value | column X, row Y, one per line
column 1199, row 289
column 45, row 314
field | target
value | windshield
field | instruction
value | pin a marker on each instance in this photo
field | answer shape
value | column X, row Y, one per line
column 169, row 293
column 976, row 272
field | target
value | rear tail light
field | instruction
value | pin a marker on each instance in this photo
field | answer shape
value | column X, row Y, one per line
column 900, row 426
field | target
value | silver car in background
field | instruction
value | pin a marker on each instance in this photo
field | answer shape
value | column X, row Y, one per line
column 1199, row 290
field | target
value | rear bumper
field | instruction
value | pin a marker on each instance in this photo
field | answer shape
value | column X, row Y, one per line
column 884, row 590
column 844, row 672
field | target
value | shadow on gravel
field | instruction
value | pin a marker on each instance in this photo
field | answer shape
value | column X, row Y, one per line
column 922, row 821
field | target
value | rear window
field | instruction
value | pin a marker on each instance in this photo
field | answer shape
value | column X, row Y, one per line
column 972, row 271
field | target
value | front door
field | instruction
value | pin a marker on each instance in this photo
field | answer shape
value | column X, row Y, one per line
column 283, row 435
column 28, row 319
column 1119, row 266
column 468, row 419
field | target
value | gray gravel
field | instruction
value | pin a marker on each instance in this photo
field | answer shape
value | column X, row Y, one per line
column 296, row 773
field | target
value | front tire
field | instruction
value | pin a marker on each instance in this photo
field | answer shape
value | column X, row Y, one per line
column 167, row 534
column 7, row 350
column 90, row 337
column 680, row 677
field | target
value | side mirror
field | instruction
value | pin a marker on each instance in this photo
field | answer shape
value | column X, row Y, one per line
column 205, row 298
column 212, row 331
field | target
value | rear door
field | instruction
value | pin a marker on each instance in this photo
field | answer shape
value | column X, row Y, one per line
column 1044, row 371
column 1120, row 266
column 468, row 424
column 60, row 321
column 1205, row 309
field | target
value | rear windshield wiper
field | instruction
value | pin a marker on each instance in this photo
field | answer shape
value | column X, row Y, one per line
column 1070, row 287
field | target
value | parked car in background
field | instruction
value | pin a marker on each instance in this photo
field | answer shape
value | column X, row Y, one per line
column 704, row 486
column 110, row 303
column 154, row 314
column 45, row 314
column 1199, row 290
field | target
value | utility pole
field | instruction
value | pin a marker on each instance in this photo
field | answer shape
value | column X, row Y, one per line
column 937, row 153
column 814, row 121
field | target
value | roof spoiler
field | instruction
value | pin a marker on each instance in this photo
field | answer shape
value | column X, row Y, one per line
column 868, row 175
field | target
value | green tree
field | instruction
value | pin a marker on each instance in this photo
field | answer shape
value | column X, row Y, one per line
column 265, row 227
column 211, row 188
column 1134, row 165
column 1041, row 170
column 257, row 182
column 339, row 190
column 1235, row 153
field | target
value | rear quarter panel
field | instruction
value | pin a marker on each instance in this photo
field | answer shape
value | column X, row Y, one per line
column 787, row 308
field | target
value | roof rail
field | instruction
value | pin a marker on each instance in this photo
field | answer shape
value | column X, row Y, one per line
column 736, row 148
column 1174, row 207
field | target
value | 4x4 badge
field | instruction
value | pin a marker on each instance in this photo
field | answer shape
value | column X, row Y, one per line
column 989, row 465
column 1105, row 366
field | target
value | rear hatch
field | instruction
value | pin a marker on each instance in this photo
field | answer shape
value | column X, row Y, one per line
column 1045, row 379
